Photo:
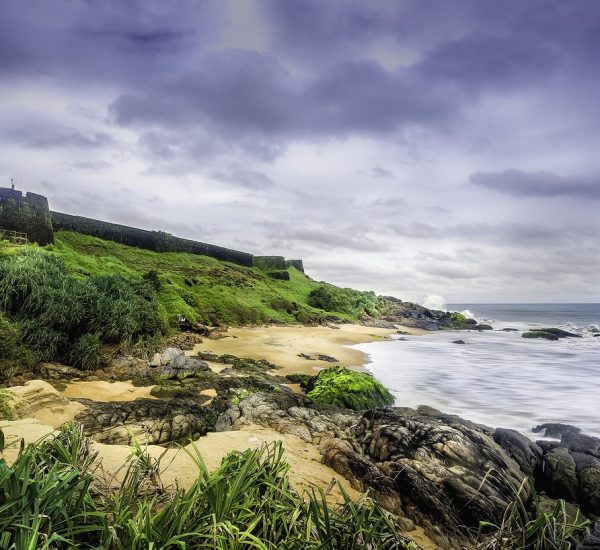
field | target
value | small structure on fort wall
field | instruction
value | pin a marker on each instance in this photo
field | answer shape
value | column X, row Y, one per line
column 27, row 218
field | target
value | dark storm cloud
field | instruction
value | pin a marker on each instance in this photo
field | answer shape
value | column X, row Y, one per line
column 350, row 125
column 536, row 184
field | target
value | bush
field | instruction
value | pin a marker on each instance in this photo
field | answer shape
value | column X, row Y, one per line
column 13, row 355
column 346, row 300
column 349, row 389
column 61, row 314
column 247, row 503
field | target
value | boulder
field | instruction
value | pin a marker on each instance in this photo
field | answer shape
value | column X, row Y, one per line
column 555, row 429
column 525, row 452
column 560, row 475
column 592, row 540
column 151, row 421
column 458, row 342
column 182, row 366
column 588, row 473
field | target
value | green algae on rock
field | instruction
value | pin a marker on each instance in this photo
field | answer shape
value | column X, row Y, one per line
column 346, row 388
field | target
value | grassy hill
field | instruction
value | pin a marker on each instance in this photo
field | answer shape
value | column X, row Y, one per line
column 208, row 290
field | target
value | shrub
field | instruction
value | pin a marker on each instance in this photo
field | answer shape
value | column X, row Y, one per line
column 13, row 354
column 247, row 503
column 61, row 314
column 346, row 300
column 85, row 352
column 350, row 389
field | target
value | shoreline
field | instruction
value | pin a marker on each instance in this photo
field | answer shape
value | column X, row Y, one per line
column 282, row 345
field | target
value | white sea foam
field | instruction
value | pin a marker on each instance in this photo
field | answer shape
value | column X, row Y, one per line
column 497, row 378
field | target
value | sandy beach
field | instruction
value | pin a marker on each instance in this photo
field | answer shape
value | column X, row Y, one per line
column 283, row 345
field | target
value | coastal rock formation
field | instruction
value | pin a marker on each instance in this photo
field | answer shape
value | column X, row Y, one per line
column 150, row 421
column 440, row 471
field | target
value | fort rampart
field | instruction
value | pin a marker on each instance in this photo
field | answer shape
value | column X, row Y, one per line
column 30, row 214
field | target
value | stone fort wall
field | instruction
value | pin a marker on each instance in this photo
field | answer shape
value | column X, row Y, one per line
column 31, row 214
column 28, row 214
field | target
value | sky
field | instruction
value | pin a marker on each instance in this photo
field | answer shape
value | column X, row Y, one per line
column 425, row 149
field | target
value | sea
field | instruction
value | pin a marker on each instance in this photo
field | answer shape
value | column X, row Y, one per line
column 499, row 378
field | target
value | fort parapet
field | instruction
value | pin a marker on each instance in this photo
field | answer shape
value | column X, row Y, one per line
column 30, row 214
column 27, row 214
column 150, row 240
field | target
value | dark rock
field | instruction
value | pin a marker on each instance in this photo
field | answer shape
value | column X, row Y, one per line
column 580, row 443
column 148, row 420
column 560, row 476
column 524, row 451
column 458, row 342
column 509, row 329
column 327, row 358
column 555, row 429
column 483, row 327
column 592, row 540
column 306, row 356
column 588, row 473
column 549, row 334
column 546, row 445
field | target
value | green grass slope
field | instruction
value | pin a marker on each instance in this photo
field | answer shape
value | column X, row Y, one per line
column 207, row 290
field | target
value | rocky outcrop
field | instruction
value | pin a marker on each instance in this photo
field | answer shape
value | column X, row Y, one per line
column 571, row 468
column 442, row 472
column 150, row 421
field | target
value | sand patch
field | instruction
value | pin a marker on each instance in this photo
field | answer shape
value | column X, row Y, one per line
column 105, row 391
column 37, row 399
column 282, row 345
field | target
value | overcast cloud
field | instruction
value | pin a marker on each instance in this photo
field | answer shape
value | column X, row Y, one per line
column 410, row 147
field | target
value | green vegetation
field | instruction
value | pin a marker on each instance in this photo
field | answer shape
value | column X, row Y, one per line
column 51, row 500
column 13, row 354
column 207, row 290
column 346, row 388
column 5, row 410
column 65, row 318
column 346, row 300
column 521, row 529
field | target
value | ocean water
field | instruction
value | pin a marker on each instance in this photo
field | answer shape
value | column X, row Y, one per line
column 499, row 378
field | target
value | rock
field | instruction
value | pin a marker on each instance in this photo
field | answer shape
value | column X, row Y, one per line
column 327, row 358
column 26, row 400
column 560, row 475
column 156, row 360
column 588, row 473
column 187, row 340
column 151, row 421
column 447, row 473
column 580, row 443
column 56, row 371
column 525, row 452
column 181, row 367
column 592, row 540
column 481, row 327
column 555, row 429
column 342, row 387
column 458, row 342
column 549, row 334
column 305, row 356
column 509, row 329
column 168, row 355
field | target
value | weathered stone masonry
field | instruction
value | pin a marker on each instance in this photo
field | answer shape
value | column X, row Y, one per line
column 31, row 214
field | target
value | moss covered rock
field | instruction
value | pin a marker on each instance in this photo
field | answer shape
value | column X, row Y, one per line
column 346, row 388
